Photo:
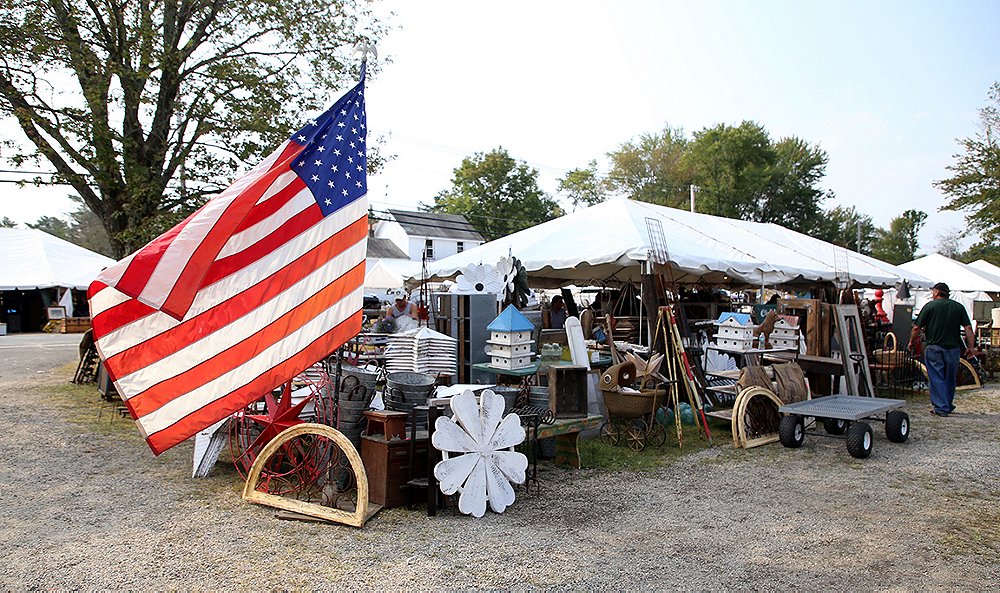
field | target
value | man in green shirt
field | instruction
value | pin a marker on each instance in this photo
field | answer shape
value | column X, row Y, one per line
column 945, row 323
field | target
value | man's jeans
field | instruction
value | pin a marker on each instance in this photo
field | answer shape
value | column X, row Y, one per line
column 942, row 369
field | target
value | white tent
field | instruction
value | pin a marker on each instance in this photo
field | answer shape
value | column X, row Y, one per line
column 967, row 284
column 32, row 259
column 984, row 266
column 612, row 239
column 381, row 277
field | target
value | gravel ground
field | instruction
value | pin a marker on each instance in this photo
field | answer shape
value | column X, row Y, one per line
column 87, row 506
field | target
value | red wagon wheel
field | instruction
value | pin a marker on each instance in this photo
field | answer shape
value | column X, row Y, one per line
column 298, row 463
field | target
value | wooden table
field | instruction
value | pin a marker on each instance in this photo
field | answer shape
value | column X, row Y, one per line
column 566, row 432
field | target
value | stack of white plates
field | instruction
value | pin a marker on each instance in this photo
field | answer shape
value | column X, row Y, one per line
column 422, row 350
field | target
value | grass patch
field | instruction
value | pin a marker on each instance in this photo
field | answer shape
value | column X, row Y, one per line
column 596, row 454
column 977, row 534
column 82, row 406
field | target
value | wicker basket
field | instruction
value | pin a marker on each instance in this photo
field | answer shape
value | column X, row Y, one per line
column 632, row 405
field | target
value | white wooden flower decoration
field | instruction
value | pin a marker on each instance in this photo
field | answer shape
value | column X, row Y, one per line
column 505, row 268
column 479, row 279
column 486, row 463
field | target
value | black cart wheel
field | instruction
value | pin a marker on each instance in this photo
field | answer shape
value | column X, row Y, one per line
column 834, row 426
column 791, row 431
column 860, row 440
column 897, row 426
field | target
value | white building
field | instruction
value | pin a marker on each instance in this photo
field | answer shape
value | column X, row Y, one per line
column 438, row 235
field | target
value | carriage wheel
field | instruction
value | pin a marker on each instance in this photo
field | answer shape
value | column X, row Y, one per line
column 656, row 434
column 610, row 434
column 636, row 436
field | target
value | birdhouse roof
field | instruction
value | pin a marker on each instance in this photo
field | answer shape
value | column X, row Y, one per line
column 740, row 318
column 510, row 320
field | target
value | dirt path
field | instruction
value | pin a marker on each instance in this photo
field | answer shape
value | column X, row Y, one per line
column 85, row 505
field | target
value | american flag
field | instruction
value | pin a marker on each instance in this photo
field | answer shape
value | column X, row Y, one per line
column 247, row 292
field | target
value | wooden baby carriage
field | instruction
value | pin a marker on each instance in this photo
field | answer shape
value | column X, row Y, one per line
column 631, row 412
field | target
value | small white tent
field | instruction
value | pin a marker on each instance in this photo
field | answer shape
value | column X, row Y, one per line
column 381, row 277
column 984, row 266
column 612, row 239
column 967, row 284
column 32, row 259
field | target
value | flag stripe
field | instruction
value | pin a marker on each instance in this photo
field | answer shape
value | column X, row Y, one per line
column 268, row 243
column 161, row 383
column 238, row 399
column 119, row 338
column 289, row 206
column 197, row 254
column 257, row 306
column 239, row 375
column 142, row 263
column 282, row 190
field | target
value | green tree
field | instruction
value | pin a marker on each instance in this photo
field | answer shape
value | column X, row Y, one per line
column 793, row 197
column 147, row 107
column 898, row 244
column 81, row 227
column 732, row 168
column 497, row 194
column 6, row 223
column 840, row 226
column 584, row 187
column 652, row 169
column 741, row 173
column 974, row 187
column 981, row 250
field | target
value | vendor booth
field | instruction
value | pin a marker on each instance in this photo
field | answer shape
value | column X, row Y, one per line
column 36, row 271
column 610, row 241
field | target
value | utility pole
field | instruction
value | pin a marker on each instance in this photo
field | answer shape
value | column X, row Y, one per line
column 859, row 236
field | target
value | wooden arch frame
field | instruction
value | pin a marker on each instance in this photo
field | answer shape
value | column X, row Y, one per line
column 355, row 519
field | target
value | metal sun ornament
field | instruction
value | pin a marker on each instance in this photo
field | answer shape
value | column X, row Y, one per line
column 479, row 460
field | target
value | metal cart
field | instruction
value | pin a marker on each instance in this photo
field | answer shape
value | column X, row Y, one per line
column 841, row 414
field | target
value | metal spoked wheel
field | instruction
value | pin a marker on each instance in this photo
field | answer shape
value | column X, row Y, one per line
column 636, row 435
column 610, row 434
column 657, row 435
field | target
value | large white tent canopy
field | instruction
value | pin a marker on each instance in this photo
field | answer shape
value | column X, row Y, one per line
column 967, row 284
column 611, row 240
column 32, row 259
column 984, row 266
column 958, row 276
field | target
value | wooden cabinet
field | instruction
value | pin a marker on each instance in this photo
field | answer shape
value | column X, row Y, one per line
column 387, row 464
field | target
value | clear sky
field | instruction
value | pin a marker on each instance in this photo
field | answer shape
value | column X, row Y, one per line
column 884, row 87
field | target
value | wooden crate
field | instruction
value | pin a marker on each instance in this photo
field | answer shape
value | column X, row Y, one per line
column 75, row 325
column 568, row 391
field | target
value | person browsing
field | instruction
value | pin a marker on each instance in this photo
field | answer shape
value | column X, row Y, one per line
column 401, row 308
column 946, row 326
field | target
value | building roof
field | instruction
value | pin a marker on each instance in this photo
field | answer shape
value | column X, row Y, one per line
column 511, row 320
column 384, row 249
column 436, row 225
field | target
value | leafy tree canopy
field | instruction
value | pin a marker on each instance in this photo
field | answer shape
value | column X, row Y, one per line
column 583, row 186
column 145, row 107
column 739, row 171
column 497, row 194
column 81, row 227
column 974, row 187
column 840, row 225
column 899, row 243
column 651, row 169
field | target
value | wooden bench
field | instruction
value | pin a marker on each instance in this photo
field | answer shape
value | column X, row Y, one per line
column 566, row 432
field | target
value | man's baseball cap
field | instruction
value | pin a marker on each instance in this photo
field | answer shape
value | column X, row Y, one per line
column 941, row 286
